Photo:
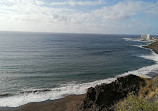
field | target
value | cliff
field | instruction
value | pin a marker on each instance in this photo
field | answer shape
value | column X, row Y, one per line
column 104, row 96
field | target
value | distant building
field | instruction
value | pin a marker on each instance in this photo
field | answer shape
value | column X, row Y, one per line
column 145, row 37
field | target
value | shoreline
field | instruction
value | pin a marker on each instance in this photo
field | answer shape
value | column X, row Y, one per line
column 79, row 102
column 66, row 103
column 153, row 46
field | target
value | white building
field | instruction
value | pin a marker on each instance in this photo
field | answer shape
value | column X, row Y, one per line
column 145, row 37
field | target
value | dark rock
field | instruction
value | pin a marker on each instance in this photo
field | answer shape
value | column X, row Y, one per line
column 153, row 46
column 104, row 96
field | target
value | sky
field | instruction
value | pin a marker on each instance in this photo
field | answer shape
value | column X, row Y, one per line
column 80, row 16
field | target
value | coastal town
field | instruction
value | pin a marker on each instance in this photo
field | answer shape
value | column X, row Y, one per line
column 148, row 37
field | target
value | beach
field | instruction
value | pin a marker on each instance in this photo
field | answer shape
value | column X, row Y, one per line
column 68, row 103
column 76, row 73
column 94, row 99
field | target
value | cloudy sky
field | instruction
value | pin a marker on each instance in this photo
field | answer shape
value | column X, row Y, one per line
column 80, row 16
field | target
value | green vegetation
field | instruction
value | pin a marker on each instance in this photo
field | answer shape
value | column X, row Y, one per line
column 151, row 88
column 134, row 103
column 146, row 100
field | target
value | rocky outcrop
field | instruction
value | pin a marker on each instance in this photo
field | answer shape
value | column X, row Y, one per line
column 153, row 46
column 104, row 96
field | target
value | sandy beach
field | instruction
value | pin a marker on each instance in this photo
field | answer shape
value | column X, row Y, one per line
column 69, row 103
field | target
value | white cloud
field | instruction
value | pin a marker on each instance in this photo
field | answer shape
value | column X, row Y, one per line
column 119, row 11
column 21, row 2
column 80, row 3
column 27, row 10
column 34, row 15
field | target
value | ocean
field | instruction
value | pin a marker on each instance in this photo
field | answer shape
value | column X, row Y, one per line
column 37, row 67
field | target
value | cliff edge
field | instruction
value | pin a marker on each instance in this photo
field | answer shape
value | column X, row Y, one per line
column 104, row 96
column 153, row 46
column 114, row 96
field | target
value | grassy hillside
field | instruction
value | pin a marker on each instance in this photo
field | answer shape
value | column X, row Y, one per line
column 146, row 100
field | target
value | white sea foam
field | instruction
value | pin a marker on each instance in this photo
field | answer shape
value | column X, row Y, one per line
column 136, row 39
column 144, row 71
column 140, row 46
column 133, row 39
column 153, row 57
column 72, row 88
column 55, row 93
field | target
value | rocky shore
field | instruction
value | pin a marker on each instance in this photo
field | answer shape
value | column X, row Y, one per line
column 104, row 96
column 153, row 46
column 98, row 98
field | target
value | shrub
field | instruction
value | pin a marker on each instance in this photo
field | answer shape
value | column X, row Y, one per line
column 134, row 103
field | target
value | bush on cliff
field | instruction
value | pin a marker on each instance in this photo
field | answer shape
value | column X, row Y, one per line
column 135, row 103
column 146, row 100
column 151, row 88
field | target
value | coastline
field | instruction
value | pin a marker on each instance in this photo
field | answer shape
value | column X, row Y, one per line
column 153, row 46
column 94, row 99
column 67, row 103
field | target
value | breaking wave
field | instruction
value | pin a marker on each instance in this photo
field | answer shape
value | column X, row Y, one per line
column 37, row 95
column 136, row 40
column 140, row 46
column 133, row 39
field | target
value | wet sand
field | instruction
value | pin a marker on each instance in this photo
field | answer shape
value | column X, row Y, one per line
column 69, row 103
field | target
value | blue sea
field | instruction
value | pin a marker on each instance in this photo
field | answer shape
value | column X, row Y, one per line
column 36, row 67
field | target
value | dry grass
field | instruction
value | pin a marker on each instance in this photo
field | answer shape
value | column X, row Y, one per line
column 151, row 88
column 144, row 101
column 135, row 103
